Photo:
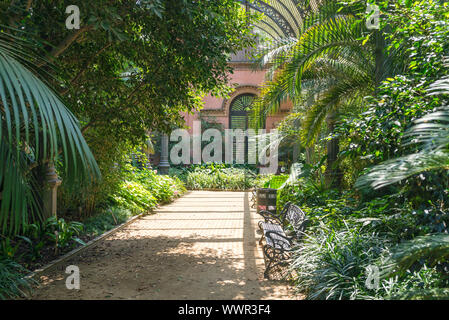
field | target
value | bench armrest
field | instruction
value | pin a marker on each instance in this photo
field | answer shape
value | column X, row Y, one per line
column 270, row 217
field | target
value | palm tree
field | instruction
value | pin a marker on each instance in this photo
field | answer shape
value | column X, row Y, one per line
column 36, row 129
column 430, row 134
column 328, row 65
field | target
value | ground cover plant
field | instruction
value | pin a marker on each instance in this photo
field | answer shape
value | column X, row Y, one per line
column 217, row 176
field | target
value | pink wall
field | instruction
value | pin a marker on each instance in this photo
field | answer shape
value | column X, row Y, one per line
column 245, row 80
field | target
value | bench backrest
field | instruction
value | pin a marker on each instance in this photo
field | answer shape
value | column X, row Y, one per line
column 296, row 218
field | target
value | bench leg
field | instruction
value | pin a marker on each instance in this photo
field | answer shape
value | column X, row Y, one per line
column 274, row 258
column 268, row 262
column 263, row 233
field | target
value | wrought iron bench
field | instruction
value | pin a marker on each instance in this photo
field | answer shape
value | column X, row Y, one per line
column 278, row 239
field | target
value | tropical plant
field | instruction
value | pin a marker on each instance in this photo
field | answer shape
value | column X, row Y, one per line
column 420, row 37
column 432, row 249
column 215, row 176
column 61, row 233
column 141, row 190
column 36, row 129
column 332, row 263
column 327, row 69
column 430, row 134
column 13, row 283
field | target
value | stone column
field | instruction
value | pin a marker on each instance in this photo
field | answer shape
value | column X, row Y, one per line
column 52, row 182
column 164, row 165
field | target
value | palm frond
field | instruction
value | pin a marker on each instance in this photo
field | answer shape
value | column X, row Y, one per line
column 34, row 121
column 431, row 249
column 398, row 169
column 430, row 134
column 327, row 51
column 17, row 195
column 439, row 87
column 319, row 41
column 332, row 96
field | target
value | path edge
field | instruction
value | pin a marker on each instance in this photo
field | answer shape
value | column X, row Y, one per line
column 90, row 244
column 95, row 241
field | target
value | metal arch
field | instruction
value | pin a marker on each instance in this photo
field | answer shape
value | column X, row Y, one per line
column 270, row 33
column 285, row 16
column 289, row 15
column 270, row 22
column 274, row 14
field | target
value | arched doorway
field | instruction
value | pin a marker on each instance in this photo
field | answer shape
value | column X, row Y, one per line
column 238, row 119
column 238, row 113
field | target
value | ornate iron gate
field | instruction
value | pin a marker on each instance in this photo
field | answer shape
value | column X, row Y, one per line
column 238, row 119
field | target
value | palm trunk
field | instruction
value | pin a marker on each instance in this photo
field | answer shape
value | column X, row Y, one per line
column 380, row 58
column 332, row 174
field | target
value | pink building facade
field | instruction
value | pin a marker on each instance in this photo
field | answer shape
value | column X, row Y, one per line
column 246, row 82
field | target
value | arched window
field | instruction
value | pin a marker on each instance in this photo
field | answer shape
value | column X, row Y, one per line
column 238, row 119
column 238, row 114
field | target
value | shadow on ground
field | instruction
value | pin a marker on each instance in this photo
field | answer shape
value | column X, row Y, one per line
column 160, row 268
column 210, row 252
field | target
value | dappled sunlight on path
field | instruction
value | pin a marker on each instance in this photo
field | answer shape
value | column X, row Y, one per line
column 203, row 246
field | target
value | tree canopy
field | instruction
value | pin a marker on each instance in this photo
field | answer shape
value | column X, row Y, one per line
column 133, row 65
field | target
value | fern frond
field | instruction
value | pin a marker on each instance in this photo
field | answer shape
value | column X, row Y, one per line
column 431, row 249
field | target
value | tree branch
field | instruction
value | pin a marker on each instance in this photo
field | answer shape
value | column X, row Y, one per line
column 86, row 127
column 86, row 66
column 135, row 90
column 58, row 50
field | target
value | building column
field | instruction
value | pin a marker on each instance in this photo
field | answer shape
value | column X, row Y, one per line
column 164, row 165
column 50, row 196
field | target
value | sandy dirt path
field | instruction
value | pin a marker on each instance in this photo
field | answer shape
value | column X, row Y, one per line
column 202, row 246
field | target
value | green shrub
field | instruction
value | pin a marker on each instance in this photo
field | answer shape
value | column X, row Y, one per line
column 164, row 188
column 276, row 182
column 143, row 189
column 54, row 232
column 332, row 264
column 12, row 281
column 220, row 177
column 106, row 220
column 135, row 197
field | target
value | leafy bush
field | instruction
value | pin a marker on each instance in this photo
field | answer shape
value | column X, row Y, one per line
column 424, row 283
column 135, row 197
column 163, row 188
column 106, row 220
column 347, row 235
column 221, row 177
column 276, row 182
column 62, row 233
column 332, row 264
column 143, row 189
column 53, row 232
column 12, row 281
